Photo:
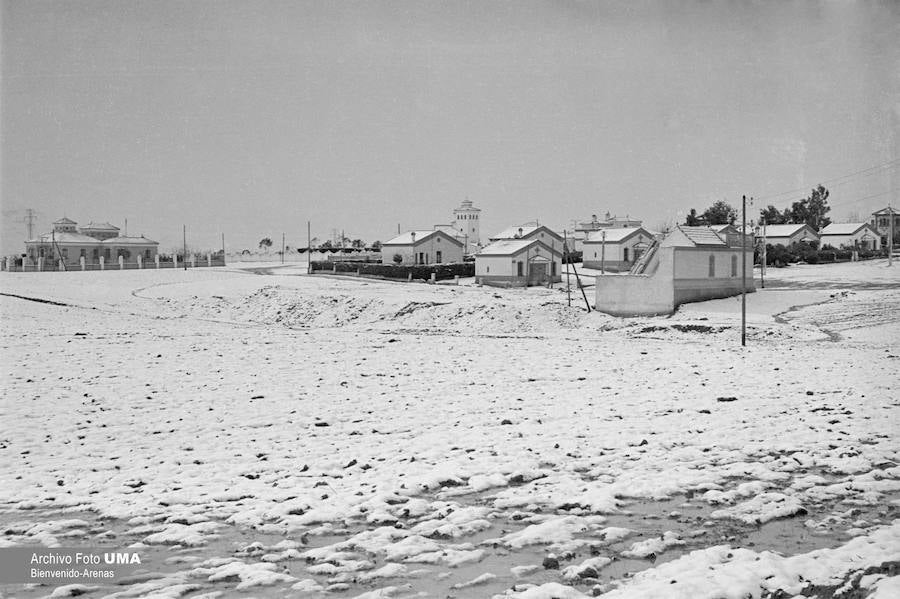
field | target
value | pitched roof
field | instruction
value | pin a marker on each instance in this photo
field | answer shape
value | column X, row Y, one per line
column 615, row 235
column 514, row 232
column 63, row 237
column 92, row 226
column 64, row 221
column 701, row 235
column 127, row 241
column 843, row 228
column 785, row 230
column 407, row 238
column 509, row 247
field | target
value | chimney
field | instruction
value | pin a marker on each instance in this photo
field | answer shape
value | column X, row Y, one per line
column 520, row 232
column 412, row 235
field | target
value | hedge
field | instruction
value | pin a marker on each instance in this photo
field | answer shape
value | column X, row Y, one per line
column 394, row 271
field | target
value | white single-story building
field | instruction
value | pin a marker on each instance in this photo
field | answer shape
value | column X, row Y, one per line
column 615, row 249
column 519, row 263
column 851, row 235
column 787, row 235
column 422, row 247
column 690, row 264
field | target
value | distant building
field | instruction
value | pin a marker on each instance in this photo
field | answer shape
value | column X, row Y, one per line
column 881, row 221
column 68, row 243
column 608, row 222
column 787, row 235
column 467, row 222
column 519, row 263
column 850, row 235
column 615, row 249
column 690, row 264
column 423, row 247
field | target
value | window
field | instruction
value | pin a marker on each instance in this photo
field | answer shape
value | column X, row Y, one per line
column 83, row 253
column 553, row 269
column 734, row 266
column 96, row 253
column 438, row 256
column 712, row 265
column 519, row 269
column 625, row 253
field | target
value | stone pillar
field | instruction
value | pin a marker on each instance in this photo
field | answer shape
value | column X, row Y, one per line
column 175, row 261
column 7, row 263
column 41, row 264
column 102, row 263
column 82, row 262
column 140, row 261
column 193, row 261
column 121, row 262
column 156, row 259
column 456, row 279
column 409, row 277
column 433, row 278
column 209, row 259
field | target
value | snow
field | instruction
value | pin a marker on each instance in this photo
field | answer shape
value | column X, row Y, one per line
column 316, row 433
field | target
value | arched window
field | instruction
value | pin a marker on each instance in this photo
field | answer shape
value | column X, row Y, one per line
column 712, row 265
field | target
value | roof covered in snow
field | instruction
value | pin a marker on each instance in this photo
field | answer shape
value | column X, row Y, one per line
column 844, row 228
column 615, row 235
column 786, row 230
column 64, row 221
column 92, row 226
column 516, row 232
column 511, row 247
column 64, row 237
column 407, row 238
column 128, row 241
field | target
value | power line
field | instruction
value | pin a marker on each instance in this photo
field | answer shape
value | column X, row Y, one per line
column 869, row 170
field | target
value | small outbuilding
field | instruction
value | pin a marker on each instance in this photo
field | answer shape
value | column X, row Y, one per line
column 615, row 249
column 861, row 236
column 690, row 264
column 519, row 263
column 422, row 247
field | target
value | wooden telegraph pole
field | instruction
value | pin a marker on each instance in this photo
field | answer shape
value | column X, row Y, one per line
column 744, row 271
column 566, row 258
column 184, row 244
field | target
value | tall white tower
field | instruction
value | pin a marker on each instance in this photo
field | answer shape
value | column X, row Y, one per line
column 467, row 220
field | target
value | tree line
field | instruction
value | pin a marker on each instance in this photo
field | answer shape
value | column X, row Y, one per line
column 811, row 210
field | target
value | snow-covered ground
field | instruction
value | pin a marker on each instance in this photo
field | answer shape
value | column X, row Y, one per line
column 288, row 435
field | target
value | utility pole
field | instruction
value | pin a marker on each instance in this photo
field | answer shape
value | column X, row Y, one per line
column 282, row 248
column 890, row 235
column 744, row 271
column 308, row 249
column 763, row 269
column 184, row 246
column 603, row 252
column 566, row 258
column 223, row 247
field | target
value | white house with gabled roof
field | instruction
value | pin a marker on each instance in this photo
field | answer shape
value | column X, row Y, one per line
column 850, row 235
column 615, row 249
column 519, row 263
column 787, row 235
column 422, row 247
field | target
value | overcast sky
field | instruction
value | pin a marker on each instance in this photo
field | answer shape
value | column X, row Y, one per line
column 249, row 118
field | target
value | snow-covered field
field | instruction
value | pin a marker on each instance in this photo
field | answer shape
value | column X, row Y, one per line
column 282, row 435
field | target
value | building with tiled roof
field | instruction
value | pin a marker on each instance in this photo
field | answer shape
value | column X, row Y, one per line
column 70, row 245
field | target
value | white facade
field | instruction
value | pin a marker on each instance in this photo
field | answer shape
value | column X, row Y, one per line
column 519, row 263
column 615, row 249
column 851, row 235
column 467, row 221
column 422, row 247
column 691, row 264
